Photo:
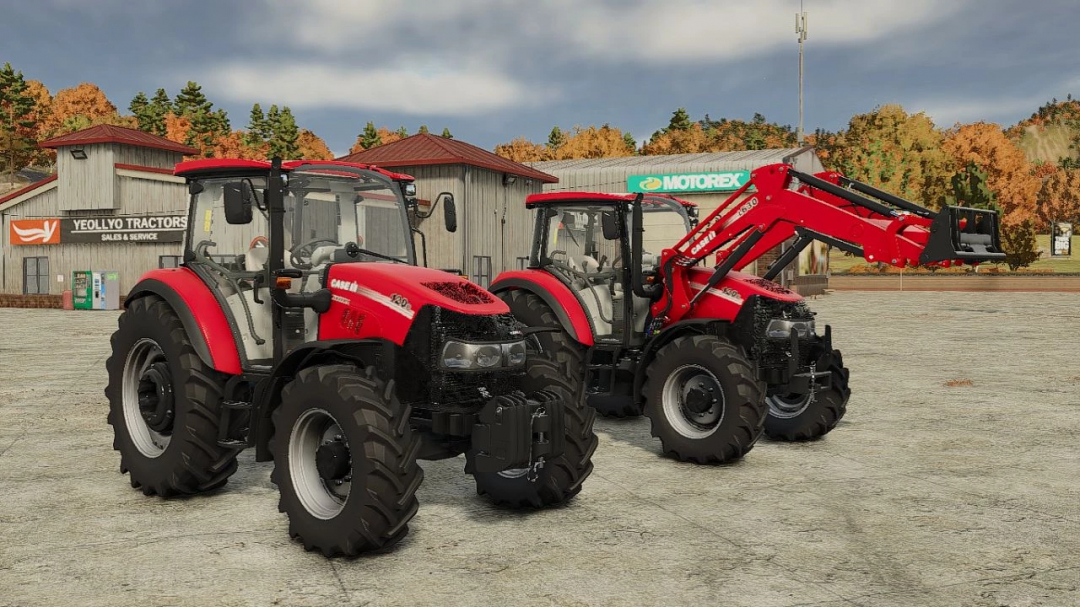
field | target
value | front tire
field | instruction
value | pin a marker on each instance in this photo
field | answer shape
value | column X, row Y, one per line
column 164, row 405
column 704, row 400
column 561, row 478
column 797, row 417
column 345, row 461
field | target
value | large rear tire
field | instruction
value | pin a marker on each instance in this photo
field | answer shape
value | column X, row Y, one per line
column 164, row 405
column 561, row 478
column 345, row 461
column 704, row 400
column 798, row 417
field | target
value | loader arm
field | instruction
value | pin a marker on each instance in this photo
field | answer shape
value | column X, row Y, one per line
column 828, row 207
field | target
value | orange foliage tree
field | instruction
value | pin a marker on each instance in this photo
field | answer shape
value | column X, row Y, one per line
column 522, row 150
column 1059, row 198
column 592, row 142
column 312, row 147
column 1009, row 174
column 691, row 140
column 232, row 145
column 85, row 100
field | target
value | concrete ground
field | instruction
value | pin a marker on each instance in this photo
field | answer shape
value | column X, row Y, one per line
column 926, row 494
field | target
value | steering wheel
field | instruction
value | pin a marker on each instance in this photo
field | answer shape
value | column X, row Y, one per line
column 295, row 256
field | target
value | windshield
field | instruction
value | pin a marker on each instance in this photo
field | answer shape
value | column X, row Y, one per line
column 333, row 208
column 575, row 232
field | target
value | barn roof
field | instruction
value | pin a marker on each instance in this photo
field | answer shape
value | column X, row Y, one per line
column 426, row 149
column 108, row 133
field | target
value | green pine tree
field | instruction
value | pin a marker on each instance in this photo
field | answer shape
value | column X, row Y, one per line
column 17, row 145
column 680, row 120
column 190, row 99
column 556, row 139
column 160, row 105
column 630, row 143
column 403, row 132
column 140, row 107
column 370, row 137
column 423, row 130
column 446, row 133
column 283, row 141
column 257, row 128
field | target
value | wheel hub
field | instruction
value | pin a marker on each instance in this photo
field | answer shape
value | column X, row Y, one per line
column 156, row 397
column 693, row 401
column 333, row 461
column 701, row 400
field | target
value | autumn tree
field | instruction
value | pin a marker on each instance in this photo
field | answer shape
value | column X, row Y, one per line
column 677, row 141
column 446, row 133
column 236, row 144
column 78, row 107
column 16, row 128
column 522, row 150
column 726, row 135
column 898, row 152
column 311, row 147
column 1059, row 198
column 1009, row 174
column 827, row 145
column 592, row 142
column 39, row 115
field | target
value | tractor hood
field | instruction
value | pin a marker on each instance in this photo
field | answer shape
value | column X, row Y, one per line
column 408, row 288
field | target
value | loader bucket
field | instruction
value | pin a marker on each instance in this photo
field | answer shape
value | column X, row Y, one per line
column 962, row 233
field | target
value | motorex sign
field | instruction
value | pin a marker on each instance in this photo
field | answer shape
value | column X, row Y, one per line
column 674, row 183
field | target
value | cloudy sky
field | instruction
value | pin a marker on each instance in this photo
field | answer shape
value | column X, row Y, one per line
column 492, row 70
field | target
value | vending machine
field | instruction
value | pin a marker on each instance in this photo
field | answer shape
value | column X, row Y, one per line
column 95, row 290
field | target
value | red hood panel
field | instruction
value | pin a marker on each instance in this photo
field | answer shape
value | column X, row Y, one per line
column 410, row 288
column 744, row 284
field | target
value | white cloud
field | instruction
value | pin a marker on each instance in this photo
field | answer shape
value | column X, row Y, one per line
column 430, row 91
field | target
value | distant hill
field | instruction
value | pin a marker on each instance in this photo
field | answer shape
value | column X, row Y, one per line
column 1049, row 143
column 1051, row 133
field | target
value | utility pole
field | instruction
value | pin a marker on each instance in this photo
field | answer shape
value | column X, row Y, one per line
column 800, row 30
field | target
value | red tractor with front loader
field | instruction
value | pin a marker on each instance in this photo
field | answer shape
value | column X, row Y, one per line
column 299, row 324
column 713, row 356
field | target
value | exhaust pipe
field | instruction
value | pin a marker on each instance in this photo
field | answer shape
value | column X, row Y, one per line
column 963, row 233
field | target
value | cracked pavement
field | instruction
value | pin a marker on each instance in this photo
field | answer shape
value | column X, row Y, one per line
column 924, row 495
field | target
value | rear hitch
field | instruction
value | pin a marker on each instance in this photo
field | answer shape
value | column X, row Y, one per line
column 515, row 432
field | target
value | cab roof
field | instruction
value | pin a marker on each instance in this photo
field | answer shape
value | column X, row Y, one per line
column 535, row 200
column 218, row 166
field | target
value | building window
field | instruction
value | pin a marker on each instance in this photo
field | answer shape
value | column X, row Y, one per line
column 169, row 261
column 522, row 263
column 482, row 270
column 36, row 276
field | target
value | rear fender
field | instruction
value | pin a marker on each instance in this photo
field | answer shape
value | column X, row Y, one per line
column 203, row 319
column 556, row 295
column 363, row 353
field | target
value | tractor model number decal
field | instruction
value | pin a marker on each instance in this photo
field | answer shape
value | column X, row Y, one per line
column 399, row 300
column 743, row 210
column 731, row 293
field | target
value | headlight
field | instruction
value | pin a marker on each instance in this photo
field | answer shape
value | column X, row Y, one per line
column 781, row 329
column 463, row 355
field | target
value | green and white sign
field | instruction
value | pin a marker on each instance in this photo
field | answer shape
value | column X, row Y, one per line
column 674, row 183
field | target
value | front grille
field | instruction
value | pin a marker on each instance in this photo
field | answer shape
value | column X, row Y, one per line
column 775, row 354
column 422, row 381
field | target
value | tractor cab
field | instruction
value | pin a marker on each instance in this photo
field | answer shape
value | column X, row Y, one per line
column 332, row 213
column 584, row 240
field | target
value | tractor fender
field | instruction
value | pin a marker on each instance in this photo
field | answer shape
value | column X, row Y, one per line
column 203, row 319
column 696, row 326
column 562, row 301
column 363, row 353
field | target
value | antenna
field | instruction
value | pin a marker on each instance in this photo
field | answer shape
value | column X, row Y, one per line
column 800, row 30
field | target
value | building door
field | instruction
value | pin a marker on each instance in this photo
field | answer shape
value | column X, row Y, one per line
column 36, row 276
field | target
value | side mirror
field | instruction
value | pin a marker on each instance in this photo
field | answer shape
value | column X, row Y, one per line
column 611, row 226
column 449, row 212
column 237, row 203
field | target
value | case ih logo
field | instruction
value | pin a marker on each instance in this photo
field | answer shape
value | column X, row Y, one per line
column 35, row 231
column 345, row 285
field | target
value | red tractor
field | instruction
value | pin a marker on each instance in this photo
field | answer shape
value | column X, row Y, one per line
column 300, row 325
column 713, row 356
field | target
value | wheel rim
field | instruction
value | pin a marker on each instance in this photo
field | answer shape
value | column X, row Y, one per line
column 693, row 401
column 786, row 406
column 148, row 400
column 320, row 464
